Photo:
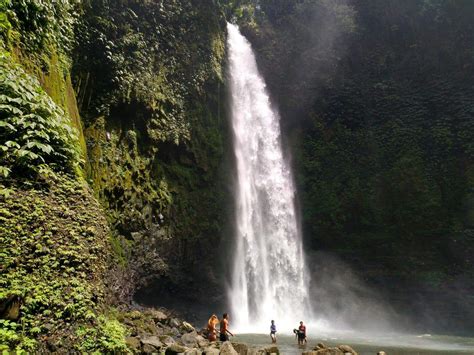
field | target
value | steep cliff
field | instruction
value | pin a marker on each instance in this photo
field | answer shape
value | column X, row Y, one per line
column 113, row 179
column 376, row 102
column 149, row 77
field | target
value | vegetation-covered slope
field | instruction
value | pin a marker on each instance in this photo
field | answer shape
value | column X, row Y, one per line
column 148, row 146
column 149, row 77
column 54, row 237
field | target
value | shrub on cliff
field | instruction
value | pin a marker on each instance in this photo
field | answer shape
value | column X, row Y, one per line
column 34, row 131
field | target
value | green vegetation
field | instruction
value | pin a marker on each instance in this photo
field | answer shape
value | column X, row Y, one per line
column 34, row 131
column 376, row 101
column 149, row 78
column 54, row 257
column 38, row 26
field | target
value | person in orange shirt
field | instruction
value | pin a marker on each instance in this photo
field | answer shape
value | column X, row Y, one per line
column 211, row 328
column 224, row 328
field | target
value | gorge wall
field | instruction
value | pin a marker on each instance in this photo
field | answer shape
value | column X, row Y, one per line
column 375, row 98
column 114, row 170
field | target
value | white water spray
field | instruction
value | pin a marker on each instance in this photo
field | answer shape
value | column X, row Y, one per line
column 269, row 280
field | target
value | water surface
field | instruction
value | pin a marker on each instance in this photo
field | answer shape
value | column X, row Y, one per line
column 392, row 344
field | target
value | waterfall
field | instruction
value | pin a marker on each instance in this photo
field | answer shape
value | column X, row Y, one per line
column 268, row 277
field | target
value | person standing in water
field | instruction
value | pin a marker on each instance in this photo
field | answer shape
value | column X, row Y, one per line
column 225, row 328
column 273, row 330
column 211, row 328
column 301, row 334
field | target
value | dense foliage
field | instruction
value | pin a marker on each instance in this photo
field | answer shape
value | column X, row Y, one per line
column 38, row 26
column 148, row 77
column 34, row 131
column 376, row 97
column 54, row 257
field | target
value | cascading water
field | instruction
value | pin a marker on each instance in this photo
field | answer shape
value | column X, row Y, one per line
column 269, row 280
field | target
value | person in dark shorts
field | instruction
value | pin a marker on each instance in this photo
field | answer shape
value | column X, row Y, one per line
column 273, row 330
column 224, row 330
column 301, row 334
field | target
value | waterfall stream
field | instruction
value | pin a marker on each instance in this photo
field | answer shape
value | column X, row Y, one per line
column 268, row 278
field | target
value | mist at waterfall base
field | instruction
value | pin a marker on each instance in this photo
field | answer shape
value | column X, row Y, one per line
column 271, row 278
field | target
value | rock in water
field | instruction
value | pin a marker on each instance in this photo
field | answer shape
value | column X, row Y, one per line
column 228, row 349
column 272, row 350
column 240, row 348
column 346, row 349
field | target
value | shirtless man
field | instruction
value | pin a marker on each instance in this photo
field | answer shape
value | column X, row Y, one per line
column 225, row 328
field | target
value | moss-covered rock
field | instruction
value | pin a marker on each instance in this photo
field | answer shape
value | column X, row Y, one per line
column 55, row 247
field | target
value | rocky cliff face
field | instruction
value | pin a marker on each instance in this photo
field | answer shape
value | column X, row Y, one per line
column 150, row 82
column 375, row 101
column 113, row 146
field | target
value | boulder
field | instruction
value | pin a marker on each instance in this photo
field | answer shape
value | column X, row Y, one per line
column 167, row 340
column 272, row 350
column 187, row 327
column 381, row 353
column 201, row 341
column 174, row 332
column 173, row 323
column 311, row 352
column 228, row 349
column 189, row 339
column 210, row 351
column 135, row 314
column 320, row 346
column 176, row 349
column 133, row 343
column 347, row 350
column 158, row 316
column 193, row 352
column 153, row 341
column 240, row 348
column 327, row 351
column 149, row 349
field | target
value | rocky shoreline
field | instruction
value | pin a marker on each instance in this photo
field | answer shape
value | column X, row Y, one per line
column 154, row 331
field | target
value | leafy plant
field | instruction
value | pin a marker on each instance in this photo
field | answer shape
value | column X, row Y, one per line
column 34, row 131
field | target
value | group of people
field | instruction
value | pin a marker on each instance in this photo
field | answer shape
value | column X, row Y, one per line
column 300, row 333
column 224, row 331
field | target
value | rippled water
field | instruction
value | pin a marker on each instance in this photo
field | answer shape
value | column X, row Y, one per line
column 392, row 344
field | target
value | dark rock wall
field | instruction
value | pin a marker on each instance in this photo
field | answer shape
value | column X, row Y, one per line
column 376, row 106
